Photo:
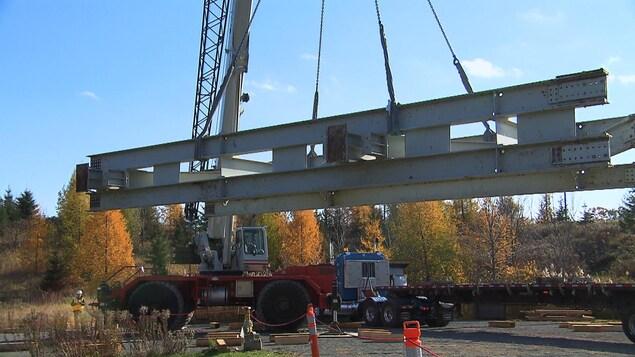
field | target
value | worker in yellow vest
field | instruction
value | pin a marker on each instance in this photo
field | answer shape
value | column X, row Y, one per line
column 78, row 305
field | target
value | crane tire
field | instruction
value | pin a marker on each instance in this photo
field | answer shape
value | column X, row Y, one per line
column 371, row 313
column 628, row 324
column 158, row 296
column 282, row 302
column 390, row 314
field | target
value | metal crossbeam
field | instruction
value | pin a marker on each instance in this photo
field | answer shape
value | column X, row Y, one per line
column 542, row 149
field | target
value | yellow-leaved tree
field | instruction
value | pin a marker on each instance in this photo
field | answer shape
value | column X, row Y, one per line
column 425, row 235
column 301, row 240
column 368, row 225
column 105, row 247
column 495, row 238
column 274, row 223
column 32, row 250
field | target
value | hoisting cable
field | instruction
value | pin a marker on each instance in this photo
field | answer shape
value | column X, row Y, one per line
column 457, row 64
column 228, row 75
column 316, row 97
column 392, row 105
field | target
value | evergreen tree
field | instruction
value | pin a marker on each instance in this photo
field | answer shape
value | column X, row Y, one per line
column 55, row 274
column 10, row 206
column 587, row 215
column 159, row 255
column 26, row 205
column 627, row 212
column 562, row 213
column 545, row 210
column 4, row 218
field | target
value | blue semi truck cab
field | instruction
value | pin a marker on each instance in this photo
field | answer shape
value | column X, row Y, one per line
column 371, row 288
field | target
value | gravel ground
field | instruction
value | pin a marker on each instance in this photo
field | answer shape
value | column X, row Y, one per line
column 475, row 338
column 468, row 338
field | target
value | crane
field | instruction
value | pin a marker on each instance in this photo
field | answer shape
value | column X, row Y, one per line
column 377, row 156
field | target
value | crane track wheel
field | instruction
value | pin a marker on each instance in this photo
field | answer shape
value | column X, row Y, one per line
column 159, row 295
column 282, row 301
column 390, row 314
column 628, row 324
column 371, row 313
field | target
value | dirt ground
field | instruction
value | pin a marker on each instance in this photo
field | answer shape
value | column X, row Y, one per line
column 475, row 338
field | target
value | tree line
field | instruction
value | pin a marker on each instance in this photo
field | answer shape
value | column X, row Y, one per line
column 471, row 240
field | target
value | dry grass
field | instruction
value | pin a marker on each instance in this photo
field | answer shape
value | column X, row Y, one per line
column 49, row 330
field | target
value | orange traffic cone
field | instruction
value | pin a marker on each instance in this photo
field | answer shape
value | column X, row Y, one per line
column 411, row 333
column 310, row 318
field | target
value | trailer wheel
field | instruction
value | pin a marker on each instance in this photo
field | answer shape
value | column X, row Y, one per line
column 283, row 302
column 390, row 314
column 370, row 313
column 159, row 295
column 628, row 324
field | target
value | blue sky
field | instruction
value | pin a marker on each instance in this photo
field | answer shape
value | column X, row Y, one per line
column 79, row 77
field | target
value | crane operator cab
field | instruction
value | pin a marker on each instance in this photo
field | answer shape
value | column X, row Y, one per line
column 253, row 257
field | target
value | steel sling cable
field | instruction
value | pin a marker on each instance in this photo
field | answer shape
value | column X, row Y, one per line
column 316, row 96
column 457, row 63
column 392, row 106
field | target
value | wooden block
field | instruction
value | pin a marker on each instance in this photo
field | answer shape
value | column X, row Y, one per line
column 229, row 334
column 596, row 328
column 563, row 312
column 559, row 318
column 221, row 346
column 351, row 324
column 214, row 325
column 297, row 339
column 362, row 332
column 202, row 342
column 568, row 324
column 380, row 335
column 502, row 324
column 384, row 337
column 274, row 336
column 233, row 341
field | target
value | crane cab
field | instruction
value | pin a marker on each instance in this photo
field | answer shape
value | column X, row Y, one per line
column 251, row 249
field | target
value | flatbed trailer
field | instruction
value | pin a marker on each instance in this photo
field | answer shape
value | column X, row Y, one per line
column 619, row 297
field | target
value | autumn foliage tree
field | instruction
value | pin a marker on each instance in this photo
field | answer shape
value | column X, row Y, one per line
column 105, row 247
column 425, row 235
column 301, row 240
column 32, row 250
column 275, row 223
column 368, row 227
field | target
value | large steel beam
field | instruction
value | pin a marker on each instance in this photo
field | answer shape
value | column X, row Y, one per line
column 518, row 160
column 542, row 150
column 571, row 91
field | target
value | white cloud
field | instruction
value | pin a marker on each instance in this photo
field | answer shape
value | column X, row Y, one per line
column 536, row 16
column 308, row 57
column 611, row 60
column 483, row 68
column 88, row 94
column 272, row 86
column 628, row 79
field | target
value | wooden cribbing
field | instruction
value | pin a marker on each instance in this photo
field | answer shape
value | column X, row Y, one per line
column 502, row 324
column 596, row 328
column 292, row 339
column 274, row 336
